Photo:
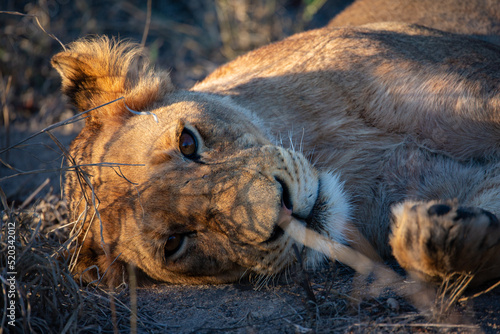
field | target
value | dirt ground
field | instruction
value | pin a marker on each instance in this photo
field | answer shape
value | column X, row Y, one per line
column 191, row 38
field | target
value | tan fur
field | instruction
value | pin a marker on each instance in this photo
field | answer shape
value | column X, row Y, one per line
column 477, row 17
column 389, row 114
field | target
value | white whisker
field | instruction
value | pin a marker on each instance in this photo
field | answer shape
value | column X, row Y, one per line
column 302, row 141
column 290, row 135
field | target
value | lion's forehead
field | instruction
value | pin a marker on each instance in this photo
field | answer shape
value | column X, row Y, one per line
column 219, row 121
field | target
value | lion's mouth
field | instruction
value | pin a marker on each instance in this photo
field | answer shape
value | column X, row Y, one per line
column 313, row 220
column 286, row 214
column 276, row 234
column 327, row 216
column 322, row 224
column 329, row 213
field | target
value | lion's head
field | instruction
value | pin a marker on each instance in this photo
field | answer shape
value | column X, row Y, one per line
column 191, row 193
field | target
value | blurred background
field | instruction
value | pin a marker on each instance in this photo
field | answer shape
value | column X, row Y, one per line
column 190, row 38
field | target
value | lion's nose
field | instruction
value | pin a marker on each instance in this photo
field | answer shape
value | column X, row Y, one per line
column 286, row 199
column 285, row 213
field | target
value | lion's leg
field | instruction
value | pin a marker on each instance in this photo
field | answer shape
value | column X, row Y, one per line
column 434, row 239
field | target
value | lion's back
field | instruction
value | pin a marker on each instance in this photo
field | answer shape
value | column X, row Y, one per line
column 440, row 89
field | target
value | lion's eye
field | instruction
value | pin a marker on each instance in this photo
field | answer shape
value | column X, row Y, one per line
column 188, row 144
column 173, row 244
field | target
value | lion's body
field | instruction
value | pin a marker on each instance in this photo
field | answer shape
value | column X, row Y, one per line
column 393, row 116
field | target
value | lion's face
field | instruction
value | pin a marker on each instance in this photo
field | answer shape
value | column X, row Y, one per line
column 212, row 193
column 197, row 196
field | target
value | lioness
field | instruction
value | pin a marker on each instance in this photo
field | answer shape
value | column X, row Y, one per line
column 380, row 128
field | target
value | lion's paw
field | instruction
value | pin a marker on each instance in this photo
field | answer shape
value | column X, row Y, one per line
column 435, row 239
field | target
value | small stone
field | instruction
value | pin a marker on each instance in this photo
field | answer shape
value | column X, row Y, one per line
column 393, row 304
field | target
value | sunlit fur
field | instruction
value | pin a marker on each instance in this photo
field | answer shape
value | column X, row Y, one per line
column 388, row 113
column 478, row 18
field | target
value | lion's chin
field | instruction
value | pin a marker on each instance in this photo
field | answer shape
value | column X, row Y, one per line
column 330, row 215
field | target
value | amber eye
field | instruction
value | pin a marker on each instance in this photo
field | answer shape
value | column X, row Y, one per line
column 173, row 244
column 187, row 144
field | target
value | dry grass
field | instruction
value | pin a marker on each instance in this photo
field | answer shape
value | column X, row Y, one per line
column 48, row 300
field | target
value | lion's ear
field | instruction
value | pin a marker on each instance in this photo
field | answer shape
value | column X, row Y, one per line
column 101, row 70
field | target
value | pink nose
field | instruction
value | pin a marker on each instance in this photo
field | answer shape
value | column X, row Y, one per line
column 285, row 215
